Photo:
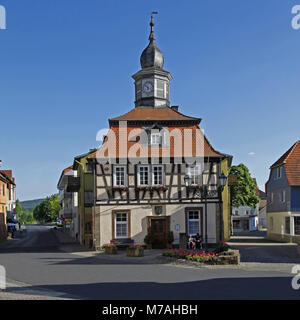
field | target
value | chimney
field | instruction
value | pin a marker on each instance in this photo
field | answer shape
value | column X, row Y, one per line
column 175, row 108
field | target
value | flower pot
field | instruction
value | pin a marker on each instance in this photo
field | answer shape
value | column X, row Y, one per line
column 110, row 250
column 135, row 252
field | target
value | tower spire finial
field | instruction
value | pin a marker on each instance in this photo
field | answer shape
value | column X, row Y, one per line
column 152, row 36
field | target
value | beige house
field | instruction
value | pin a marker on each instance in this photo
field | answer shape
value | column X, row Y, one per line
column 156, row 172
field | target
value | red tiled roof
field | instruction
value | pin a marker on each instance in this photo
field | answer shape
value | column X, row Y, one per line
column 208, row 150
column 68, row 169
column 7, row 172
column 178, row 121
column 291, row 162
column 154, row 114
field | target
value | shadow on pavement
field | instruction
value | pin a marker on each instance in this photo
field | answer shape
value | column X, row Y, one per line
column 222, row 288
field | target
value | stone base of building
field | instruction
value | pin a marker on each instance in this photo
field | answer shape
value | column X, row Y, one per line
column 283, row 238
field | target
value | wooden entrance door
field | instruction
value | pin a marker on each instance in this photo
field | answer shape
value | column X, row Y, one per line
column 158, row 229
column 246, row 225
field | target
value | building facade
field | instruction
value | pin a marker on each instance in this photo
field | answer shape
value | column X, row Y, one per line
column 283, row 197
column 11, row 194
column 68, row 201
column 5, row 198
column 156, row 172
column 84, row 186
column 245, row 218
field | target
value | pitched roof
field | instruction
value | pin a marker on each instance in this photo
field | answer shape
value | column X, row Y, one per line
column 173, row 150
column 7, row 172
column 291, row 162
column 154, row 114
column 6, row 178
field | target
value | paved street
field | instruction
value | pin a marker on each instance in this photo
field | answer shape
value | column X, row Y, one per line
column 44, row 265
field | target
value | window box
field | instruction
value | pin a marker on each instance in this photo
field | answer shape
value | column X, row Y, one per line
column 150, row 188
column 159, row 187
column 135, row 251
column 196, row 186
column 121, row 188
column 110, row 248
column 147, row 188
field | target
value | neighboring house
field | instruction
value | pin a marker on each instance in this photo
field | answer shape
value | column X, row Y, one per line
column 144, row 183
column 68, row 201
column 11, row 195
column 225, row 167
column 245, row 218
column 84, row 186
column 5, row 183
column 283, row 197
column 262, row 214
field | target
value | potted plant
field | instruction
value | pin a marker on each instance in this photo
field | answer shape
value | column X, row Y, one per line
column 170, row 239
column 148, row 241
column 110, row 248
column 135, row 251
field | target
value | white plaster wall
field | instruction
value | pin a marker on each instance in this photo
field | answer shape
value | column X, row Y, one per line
column 139, row 216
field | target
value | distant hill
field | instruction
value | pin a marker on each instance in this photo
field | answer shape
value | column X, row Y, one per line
column 29, row 205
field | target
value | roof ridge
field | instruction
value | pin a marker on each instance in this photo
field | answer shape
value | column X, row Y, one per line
column 292, row 149
column 282, row 159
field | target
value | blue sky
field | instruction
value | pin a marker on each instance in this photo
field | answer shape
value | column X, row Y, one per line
column 66, row 68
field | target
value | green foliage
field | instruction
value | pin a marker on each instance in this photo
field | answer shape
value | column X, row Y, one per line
column 221, row 247
column 26, row 217
column 244, row 192
column 47, row 210
column 18, row 209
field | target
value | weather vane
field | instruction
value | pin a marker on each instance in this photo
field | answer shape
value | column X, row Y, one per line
column 152, row 13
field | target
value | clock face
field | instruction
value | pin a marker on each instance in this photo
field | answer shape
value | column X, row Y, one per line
column 148, row 87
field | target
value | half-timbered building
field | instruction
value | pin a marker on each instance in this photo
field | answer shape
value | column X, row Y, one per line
column 156, row 172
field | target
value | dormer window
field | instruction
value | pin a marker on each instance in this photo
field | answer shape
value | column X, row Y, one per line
column 155, row 139
column 194, row 171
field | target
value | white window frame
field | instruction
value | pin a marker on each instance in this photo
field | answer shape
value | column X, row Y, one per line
column 283, row 196
column 139, row 175
column 115, row 176
column 188, row 222
column 162, row 174
column 121, row 222
column 272, row 197
column 194, row 172
column 157, row 136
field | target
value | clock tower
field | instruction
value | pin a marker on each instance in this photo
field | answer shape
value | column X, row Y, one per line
column 152, row 82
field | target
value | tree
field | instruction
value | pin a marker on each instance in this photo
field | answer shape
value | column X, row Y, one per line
column 18, row 208
column 26, row 217
column 47, row 210
column 244, row 192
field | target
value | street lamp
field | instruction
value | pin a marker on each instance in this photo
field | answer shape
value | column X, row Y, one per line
column 187, row 180
column 222, row 183
column 204, row 193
